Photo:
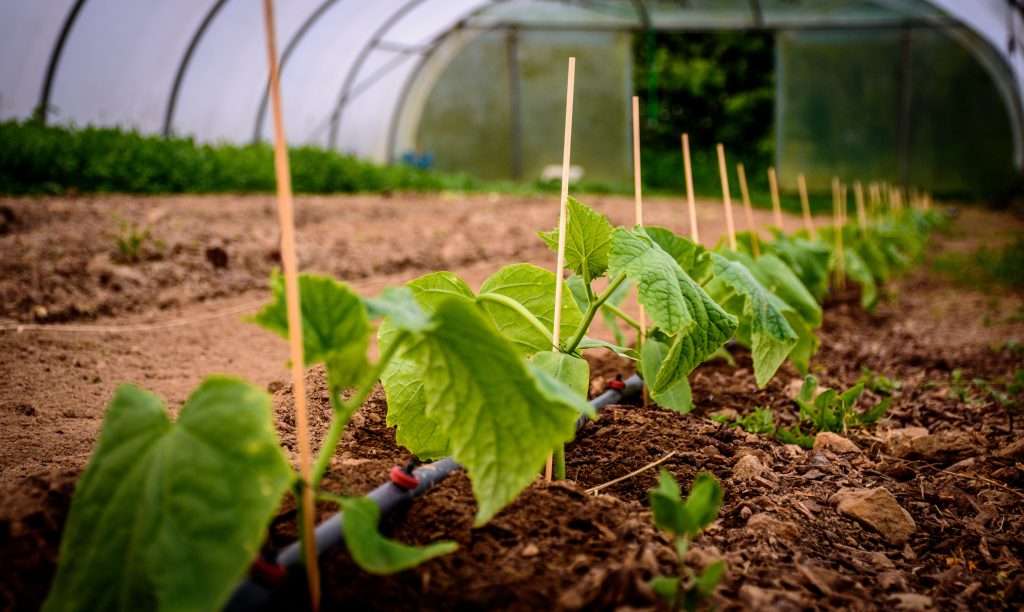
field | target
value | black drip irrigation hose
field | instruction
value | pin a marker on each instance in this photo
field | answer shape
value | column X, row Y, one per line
column 257, row 592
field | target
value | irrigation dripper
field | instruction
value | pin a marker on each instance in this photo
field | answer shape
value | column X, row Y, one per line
column 258, row 591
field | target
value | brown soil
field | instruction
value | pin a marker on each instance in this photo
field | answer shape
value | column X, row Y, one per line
column 556, row 546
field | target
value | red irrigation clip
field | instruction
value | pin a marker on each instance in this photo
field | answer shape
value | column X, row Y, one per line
column 617, row 383
column 268, row 573
column 404, row 479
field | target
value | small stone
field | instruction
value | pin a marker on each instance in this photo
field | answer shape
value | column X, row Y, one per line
column 40, row 312
column 878, row 509
column 745, row 512
column 827, row 440
column 944, row 447
column 765, row 523
column 913, row 601
column 748, row 467
column 897, row 437
column 530, row 550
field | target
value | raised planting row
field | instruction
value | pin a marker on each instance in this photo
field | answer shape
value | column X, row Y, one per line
column 171, row 514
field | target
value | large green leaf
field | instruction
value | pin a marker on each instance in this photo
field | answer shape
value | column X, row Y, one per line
column 534, row 289
column 501, row 417
column 399, row 306
column 771, row 337
column 335, row 327
column 808, row 260
column 676, row 395
column 401, row 379
column 657, row 276
column 571, row 371
column 689, row 348
column 693, row 258
column 170, row 515
column 587, row 240
column 372, row 551
column 858, row 271
column 779, row 279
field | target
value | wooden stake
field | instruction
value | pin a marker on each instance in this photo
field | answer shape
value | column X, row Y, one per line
column 805, row 206
column 638, row 201
column 688, row 170
column 773, row 185
column 726, row 198
column 837, row 225
column 289, row 260
column 563, row 201
column 873, row 200
column 748, row 211
column 862, row 213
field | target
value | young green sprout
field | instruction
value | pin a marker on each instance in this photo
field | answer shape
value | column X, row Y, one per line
column 684, row 520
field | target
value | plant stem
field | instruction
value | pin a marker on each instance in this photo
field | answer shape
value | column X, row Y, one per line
column 521, row 310
column 615, row 310
column 342, row 410
column 560, row 462
column 588, row 318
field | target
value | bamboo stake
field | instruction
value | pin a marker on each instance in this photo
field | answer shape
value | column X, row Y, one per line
column 563, row 201
column 289, row 262
column 805, row 206
column 773, row 185
column 862, row 213
column 639, row 210
column 691, row 204
column 748, row 211
column 837, row 224
column 726, row 198
column 873, row 200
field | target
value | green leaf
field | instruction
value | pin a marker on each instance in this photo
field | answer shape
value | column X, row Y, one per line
column 677, row 394
column 657, row 276
column 708, row 580
column 501, row 417
column 714, row 326
column 572, row 372
column 693, row 258
column 665, row 587
column 610, row 318
column 533, row 288
column 685, row 518
column 703, row 502
column 808, row 260
column 587, row 240
column 578, row 288
column 335, row 327
column 667, row 504
column 403, row 386
column 170, row 515
column 399, row 306
column 375, row 553
column 432, row 289
column 594, row 343
column 779, row 279
column 771, row 337
column 858, row 271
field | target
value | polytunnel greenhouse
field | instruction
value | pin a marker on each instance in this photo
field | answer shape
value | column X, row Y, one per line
column 511, row 305
column 449, row 79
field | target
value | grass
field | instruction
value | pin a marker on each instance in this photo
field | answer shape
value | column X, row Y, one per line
column 986, row 266
column 37, row 160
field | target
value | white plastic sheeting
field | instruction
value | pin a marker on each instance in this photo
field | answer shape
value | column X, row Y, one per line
column 350, row 61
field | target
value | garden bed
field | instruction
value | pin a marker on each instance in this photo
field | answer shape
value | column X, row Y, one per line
column 786, row 544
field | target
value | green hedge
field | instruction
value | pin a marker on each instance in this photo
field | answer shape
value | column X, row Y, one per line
column 38, row 159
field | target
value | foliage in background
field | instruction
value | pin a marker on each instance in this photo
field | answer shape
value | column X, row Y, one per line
column 718, row 87
column 986, row 266
column 38, row 159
